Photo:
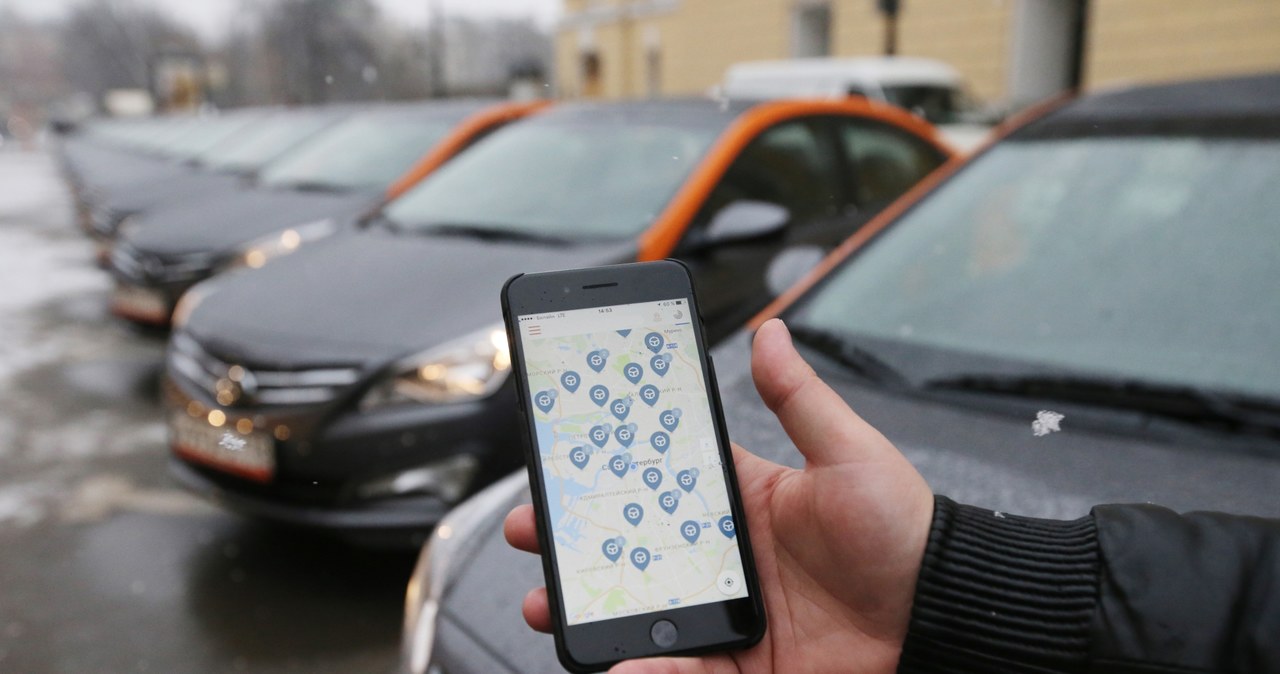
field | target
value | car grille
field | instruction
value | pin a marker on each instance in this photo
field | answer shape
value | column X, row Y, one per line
column 137, row 265
column 236, row 385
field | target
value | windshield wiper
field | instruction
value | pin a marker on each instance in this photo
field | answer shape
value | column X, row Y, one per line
column 380, row 219
column 1182, row 403
column 843, row 350
column 315, row 186
column 488, row 233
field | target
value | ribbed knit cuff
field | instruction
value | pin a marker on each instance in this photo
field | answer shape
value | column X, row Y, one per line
column 1002, row 593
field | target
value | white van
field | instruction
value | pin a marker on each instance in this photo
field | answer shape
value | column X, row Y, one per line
column 929, row 88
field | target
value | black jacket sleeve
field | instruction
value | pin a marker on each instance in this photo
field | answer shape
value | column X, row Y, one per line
column 1126, row 589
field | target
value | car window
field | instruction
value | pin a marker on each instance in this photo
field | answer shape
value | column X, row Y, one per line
column 886, row 162
column 1143, row 257
column 793, row 165
column 576, row 180
column 367, row 152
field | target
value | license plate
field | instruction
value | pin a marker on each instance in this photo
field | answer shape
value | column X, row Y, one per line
column 250, row 455
column 140, row 304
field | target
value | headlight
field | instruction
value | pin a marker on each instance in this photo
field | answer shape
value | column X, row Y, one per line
column 257, row 252
column 453, row 542
column 468, row 368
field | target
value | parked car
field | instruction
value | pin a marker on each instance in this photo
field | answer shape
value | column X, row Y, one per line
column 1107, row 269
column 222, row 170
column 310, row 193
column 928, row 87
column 115, row 153
column 366, row 378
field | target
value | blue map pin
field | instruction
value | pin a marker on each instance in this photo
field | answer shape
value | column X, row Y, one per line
column 649, row 394
column 654, row 341
column 619, row 464
column 599, row 394
column 669, row 500
column 633, row 513
column 633, row 372
column 570, row 381
column 599, row 435
column 620, row 408
column 688, row 479
column 625, row 434
column 690, row 530
column 640, row 557
column 624, row 333
column 652, row 478
column 545, row 400
column 612, row 548
column 670, row 419
column 660, row 364
column 727, row 528
column 660, row 441
column 578, row 456
column 596, row 359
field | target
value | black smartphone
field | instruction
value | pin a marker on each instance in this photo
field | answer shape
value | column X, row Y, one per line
column 645, row 548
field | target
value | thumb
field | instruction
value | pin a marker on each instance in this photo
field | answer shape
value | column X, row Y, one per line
column 818, row 421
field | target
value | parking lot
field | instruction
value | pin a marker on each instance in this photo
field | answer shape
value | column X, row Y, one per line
column 106, row 565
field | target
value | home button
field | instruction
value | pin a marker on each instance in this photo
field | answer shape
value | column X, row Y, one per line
column 664, row 633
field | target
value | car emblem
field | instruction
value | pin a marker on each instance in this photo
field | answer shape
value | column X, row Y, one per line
column 230, row 442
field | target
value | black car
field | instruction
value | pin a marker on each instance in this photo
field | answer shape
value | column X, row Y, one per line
column 310, row 193
column 362, row 383
column 221, row 170
column 1084, row 313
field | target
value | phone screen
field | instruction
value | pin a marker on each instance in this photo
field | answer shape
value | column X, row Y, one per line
column 638, row 504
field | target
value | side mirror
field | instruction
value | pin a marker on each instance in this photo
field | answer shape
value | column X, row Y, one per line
column 746, row 220
column 788, row 267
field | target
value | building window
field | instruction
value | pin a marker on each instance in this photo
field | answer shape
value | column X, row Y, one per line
column 811, row 30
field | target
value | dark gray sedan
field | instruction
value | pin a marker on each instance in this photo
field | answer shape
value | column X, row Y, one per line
column 1085, row 313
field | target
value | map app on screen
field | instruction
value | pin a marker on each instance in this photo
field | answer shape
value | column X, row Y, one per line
column 635, row 485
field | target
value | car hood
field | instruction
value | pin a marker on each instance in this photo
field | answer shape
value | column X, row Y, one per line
column 372, row 296
column 975, row 456
column 219, row 223
column 185, row 185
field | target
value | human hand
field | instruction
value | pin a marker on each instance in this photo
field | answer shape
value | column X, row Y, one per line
column 837, row 545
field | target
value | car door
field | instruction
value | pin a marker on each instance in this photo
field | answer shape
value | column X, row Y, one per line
column 794, row 165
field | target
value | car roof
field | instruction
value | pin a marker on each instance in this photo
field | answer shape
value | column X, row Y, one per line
column 702, row 112
column 881, row 69
column 1236, row 106
column 448, row 110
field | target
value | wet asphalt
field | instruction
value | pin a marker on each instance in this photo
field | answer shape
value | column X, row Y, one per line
column 105, row 564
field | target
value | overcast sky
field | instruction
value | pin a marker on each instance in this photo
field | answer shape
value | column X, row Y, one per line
column 211, row 17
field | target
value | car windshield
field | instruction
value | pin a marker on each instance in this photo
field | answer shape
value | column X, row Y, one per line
column 255, row 146
column 203, row 135
column 938, row 104
column 367, row 152
column 1146, row 259
column 559, row 178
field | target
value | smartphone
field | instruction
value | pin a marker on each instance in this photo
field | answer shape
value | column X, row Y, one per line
column 644, row 542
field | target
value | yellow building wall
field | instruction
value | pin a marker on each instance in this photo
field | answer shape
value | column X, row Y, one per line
column 1128, row 40
column 971, row 35
column 702, row 38
column 1153, row 40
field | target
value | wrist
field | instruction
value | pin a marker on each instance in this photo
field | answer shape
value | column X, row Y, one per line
column 1000, row 592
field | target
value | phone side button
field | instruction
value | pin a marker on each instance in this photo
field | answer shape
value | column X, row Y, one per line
column 664, row 634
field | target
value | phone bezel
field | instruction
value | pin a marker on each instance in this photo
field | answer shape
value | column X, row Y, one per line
column 722, row 625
